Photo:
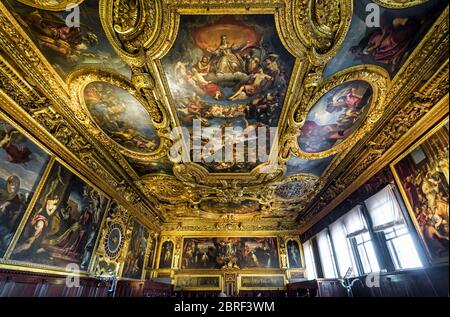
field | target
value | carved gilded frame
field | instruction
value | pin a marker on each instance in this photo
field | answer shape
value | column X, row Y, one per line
column 77, row 82
column 58, row 5
column 379, row 80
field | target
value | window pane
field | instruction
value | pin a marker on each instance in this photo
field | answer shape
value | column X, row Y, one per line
column 364, row 259
column 401, row 230
column 326, row 255
column 406, row 252
column 367, row 254
column 309, row 261
column 393, row 253
column 372, row 257
column 342, row 247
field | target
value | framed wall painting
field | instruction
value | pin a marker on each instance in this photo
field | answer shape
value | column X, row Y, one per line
column 152, row 252
column 166, row 255
column 137, row 249
column 294, row 254
column 261, row 282
column 230, row 252
column 23, row 166
column 422, row 174
column 62, row 228
column 198, row 282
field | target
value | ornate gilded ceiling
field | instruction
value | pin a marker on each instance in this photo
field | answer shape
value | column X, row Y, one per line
column 313, row 83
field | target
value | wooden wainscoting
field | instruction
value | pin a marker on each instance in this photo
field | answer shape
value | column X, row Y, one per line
column 25, row 284
column 130, row 288
column 430, row 282
column 28, row 284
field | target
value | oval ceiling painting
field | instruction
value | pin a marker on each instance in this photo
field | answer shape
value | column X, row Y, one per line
column 121, row 116
column 336, row 116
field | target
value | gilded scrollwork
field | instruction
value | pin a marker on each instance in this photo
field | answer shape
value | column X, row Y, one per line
column 166, row 188
column 52, row 5
column 322, row 26
column 130, row 26
column 399, row 4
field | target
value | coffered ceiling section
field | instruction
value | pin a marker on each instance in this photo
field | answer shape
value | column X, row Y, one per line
column 219, row 109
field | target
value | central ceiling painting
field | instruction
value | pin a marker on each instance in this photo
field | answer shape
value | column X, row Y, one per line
column 228, row 72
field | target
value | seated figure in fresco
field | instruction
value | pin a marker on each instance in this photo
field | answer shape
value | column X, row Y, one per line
column 203, row 66
column 389, row 43
column 349, row 99
column 226, row 58
column 11, row 207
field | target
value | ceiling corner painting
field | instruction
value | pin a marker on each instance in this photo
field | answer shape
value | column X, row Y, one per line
column 67, row 47
column 335, row 116
column 228, row 71
column 388, row 45
column 297, row 165
column 121, row 116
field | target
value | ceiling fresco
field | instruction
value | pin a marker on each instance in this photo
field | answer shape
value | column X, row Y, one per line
column 228, row 71
column 129, row 74
column 388, row 45
column 67, row 48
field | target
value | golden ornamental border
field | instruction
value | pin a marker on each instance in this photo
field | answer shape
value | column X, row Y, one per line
column 311, row 31
column 399, row 4
column 60, row 5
